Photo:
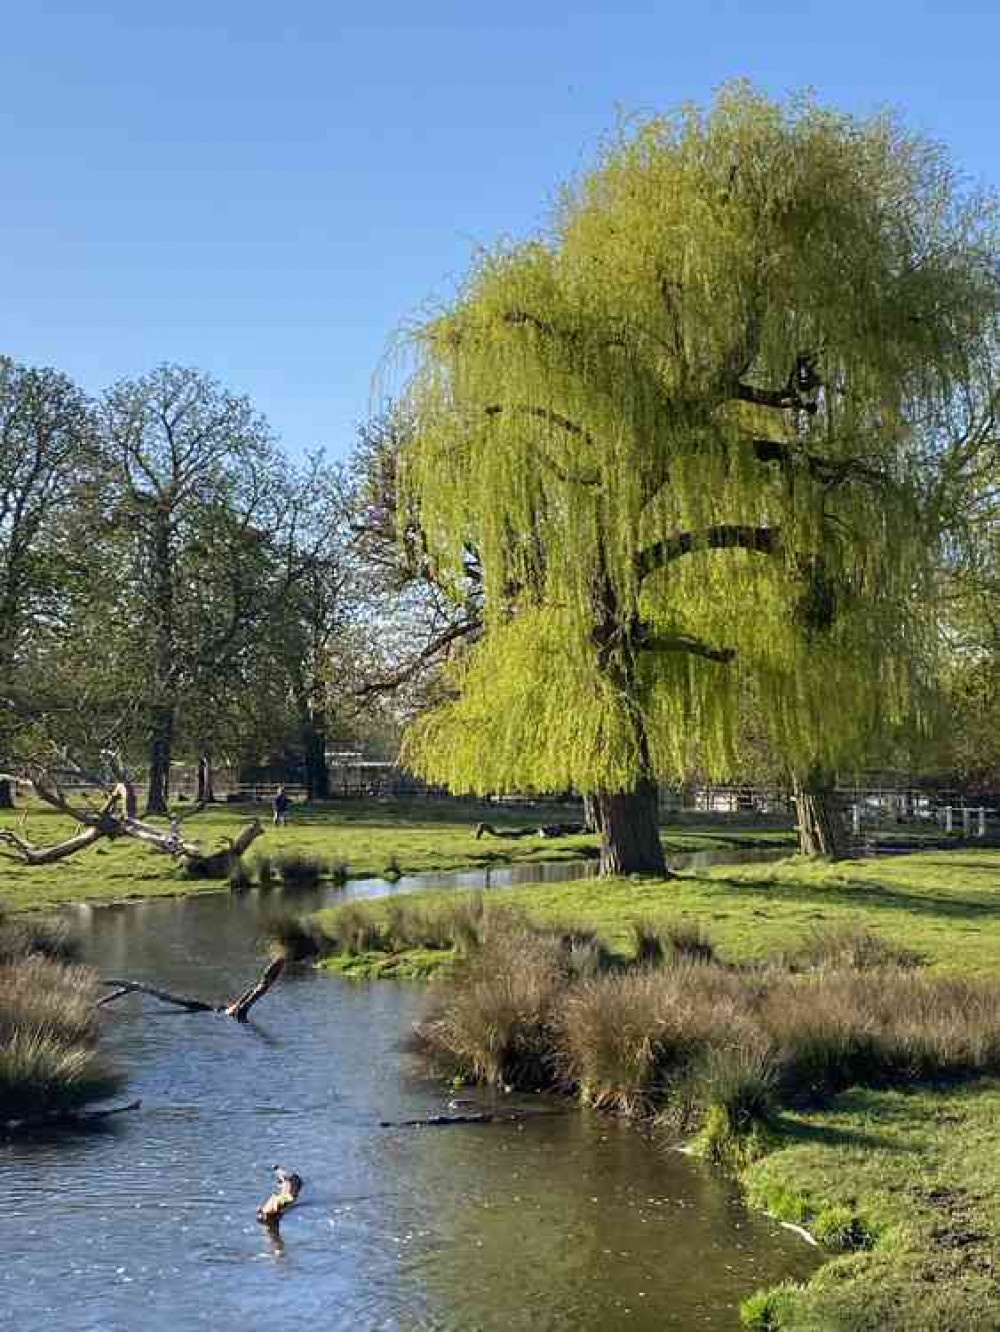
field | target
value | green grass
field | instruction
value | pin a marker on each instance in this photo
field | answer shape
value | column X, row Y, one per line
column 371, row 837
column 911, row 1180
column 942, row 905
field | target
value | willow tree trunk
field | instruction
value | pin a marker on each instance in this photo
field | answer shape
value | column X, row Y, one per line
column 317, row 773
column 820, row 821
column 629, row 823
column 160, row 748
column 591, row 814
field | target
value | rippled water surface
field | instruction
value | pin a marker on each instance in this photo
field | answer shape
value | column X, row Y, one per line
column 563, row 1220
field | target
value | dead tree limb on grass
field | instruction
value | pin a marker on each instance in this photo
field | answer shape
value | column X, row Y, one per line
column 114, row 818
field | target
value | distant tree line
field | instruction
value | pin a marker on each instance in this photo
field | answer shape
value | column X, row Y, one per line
column 174, row 585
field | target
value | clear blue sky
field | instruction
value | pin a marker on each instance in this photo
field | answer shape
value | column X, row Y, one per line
column 268, row 190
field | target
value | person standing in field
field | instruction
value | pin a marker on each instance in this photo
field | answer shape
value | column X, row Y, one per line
column 280, row 806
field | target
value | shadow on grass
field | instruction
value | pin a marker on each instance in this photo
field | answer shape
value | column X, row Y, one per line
column 856, row 893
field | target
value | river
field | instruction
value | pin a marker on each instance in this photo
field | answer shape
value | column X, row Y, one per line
column 565, row 1220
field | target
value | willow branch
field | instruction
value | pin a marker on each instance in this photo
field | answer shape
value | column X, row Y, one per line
column 723, row 536
column 685, row 643
column 830, row 471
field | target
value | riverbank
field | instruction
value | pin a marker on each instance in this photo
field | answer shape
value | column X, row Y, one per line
column 942, row 905
column 357, row 839
column 899, row 1185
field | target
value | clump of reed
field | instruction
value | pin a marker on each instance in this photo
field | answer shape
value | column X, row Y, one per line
column 300, row 871
column 675, row 1033
column 655, row 941
column 499, row 1025
column 338, row 872
column 48, row 1026
column 292, row 936
column 848, row 945
column 45, row 936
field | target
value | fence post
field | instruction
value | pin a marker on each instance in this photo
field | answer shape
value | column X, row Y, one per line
column 982, row 822
column 949, row 820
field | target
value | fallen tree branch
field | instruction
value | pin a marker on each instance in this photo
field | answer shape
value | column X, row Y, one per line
column 237, row 1009
column 67, row 1118
column 544, row 830
column 116, row 818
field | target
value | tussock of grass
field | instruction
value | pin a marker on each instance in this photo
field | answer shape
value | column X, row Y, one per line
column 48, row 1027
column 696, row 1040
column 850, row 945
column 45, row 936
column 299, row 871
column 291, row 936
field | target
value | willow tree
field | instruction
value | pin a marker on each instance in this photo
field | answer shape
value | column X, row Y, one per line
column 677, row 428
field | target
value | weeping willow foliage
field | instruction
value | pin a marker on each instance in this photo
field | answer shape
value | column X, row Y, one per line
column 678, row 430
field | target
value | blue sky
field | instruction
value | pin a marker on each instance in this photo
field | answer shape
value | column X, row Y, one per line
column 269, row 190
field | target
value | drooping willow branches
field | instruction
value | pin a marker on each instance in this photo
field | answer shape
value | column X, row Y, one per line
column 678, row 431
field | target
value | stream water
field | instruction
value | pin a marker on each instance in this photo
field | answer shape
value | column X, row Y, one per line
column 564, row 1220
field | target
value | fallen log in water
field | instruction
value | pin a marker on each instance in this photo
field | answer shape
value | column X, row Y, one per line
column 473, row 1117
column 237, row 1009
column 66, row 1118
column 436, row 1121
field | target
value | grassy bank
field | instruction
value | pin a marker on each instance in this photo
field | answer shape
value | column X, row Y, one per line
column 48, row 1024
column 359, row 838
column 896, row 1175
column 944, row 906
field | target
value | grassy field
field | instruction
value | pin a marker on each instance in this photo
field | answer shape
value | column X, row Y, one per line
column 943, row 905
column 901, row 1186
column 369, row 837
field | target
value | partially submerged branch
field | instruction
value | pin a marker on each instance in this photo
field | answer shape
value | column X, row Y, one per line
column 237, row 1009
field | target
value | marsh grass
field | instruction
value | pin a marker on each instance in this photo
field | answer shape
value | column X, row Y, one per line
column 299, row 871
column 849, row 945
column 45, row 936
column 48, row 1030
column 675, row 1034
column 291, row 936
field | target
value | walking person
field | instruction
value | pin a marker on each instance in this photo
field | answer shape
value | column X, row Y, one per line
column 280, row 806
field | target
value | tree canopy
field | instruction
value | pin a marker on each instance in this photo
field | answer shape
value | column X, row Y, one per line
column 679, row 429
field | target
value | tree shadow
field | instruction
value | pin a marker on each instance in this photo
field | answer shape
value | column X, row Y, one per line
column 855, row 893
